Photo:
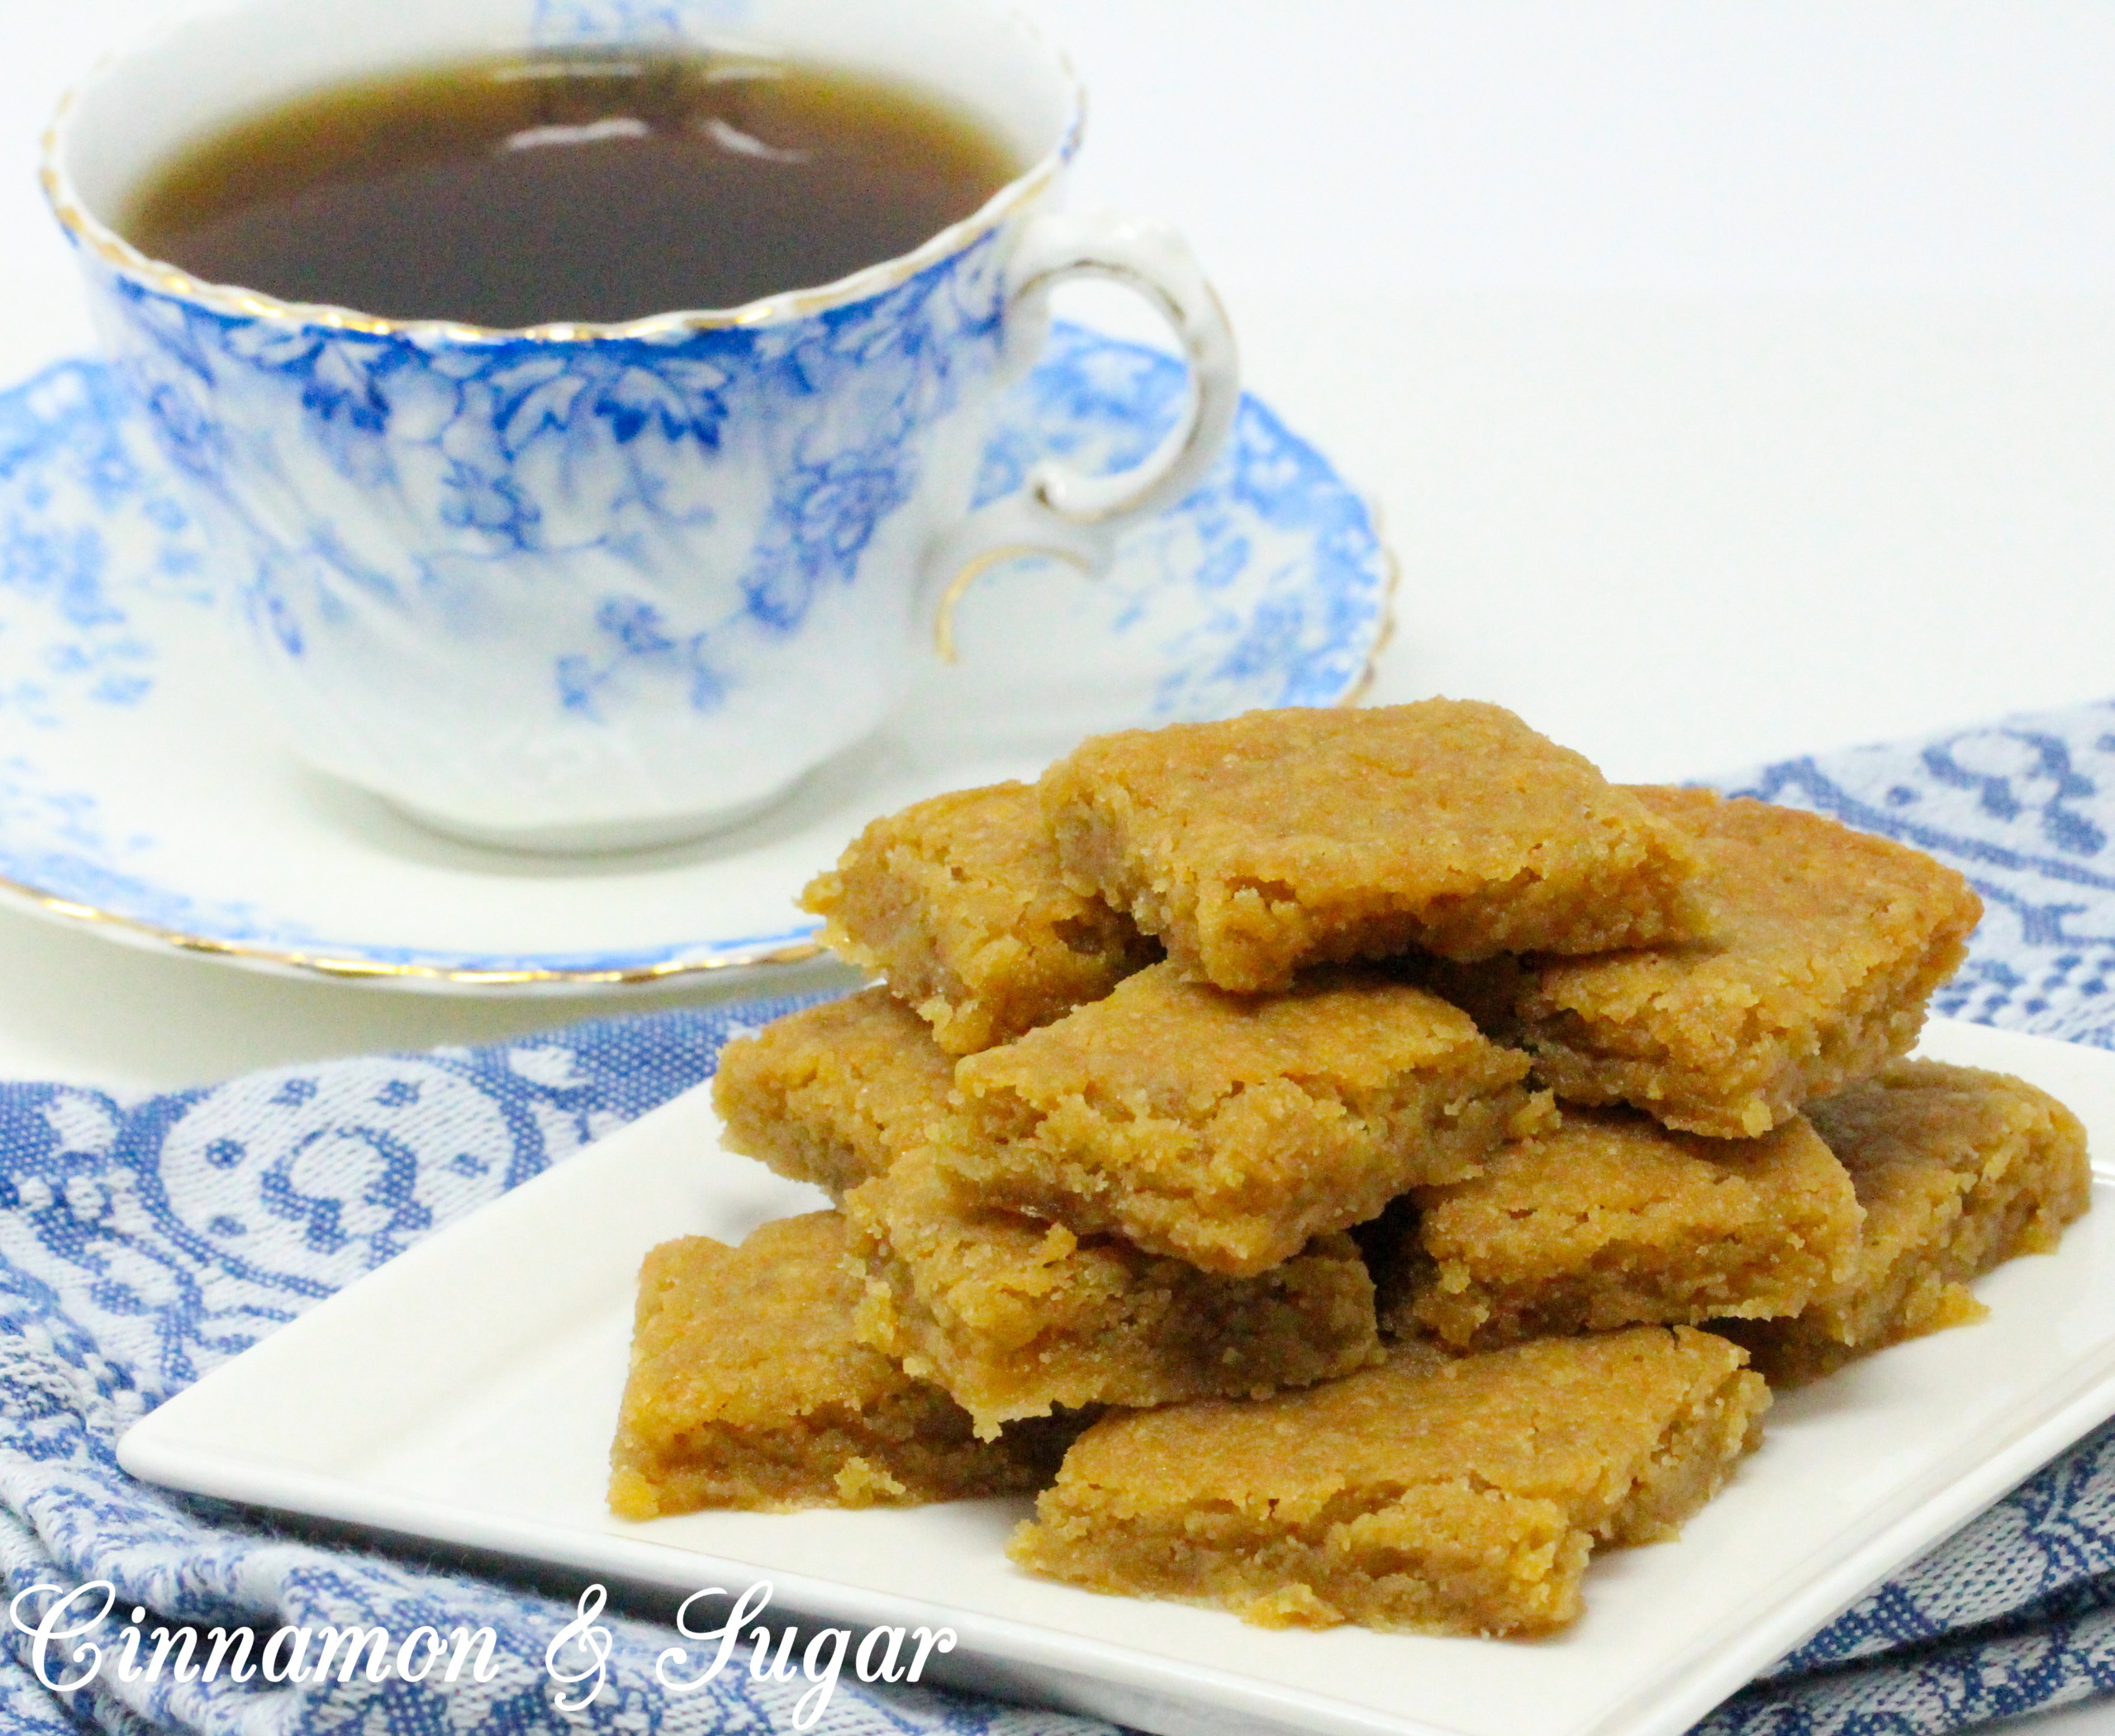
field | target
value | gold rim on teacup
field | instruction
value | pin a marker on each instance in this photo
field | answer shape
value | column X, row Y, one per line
column 91, row 232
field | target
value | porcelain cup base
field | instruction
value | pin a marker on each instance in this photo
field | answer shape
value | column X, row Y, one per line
column 596, row 837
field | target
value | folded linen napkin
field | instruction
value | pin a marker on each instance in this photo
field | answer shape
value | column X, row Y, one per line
column 145, row 1239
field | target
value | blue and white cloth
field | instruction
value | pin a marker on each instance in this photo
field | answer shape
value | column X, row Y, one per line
column 145, row 1239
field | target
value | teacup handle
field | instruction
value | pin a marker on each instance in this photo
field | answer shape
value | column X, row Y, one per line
column 1059, row 511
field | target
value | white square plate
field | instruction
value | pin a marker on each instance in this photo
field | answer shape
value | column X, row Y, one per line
column 466, row 1393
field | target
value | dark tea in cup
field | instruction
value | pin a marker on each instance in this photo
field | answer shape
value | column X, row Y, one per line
column 593, row 436
column 583, row 186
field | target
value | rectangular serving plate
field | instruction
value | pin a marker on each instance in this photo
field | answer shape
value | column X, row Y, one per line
column 465, row 1393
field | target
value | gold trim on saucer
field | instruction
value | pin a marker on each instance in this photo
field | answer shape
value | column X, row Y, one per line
column 292, row 961
column 1391, row 581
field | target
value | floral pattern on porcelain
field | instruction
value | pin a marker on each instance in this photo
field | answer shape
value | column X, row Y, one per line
column 568, row 23
column 543, row 538
column 1266, row 587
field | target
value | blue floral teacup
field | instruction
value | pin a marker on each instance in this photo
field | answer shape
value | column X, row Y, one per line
column 587, row 587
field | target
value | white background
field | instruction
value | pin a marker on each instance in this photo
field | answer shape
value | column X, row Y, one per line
column 1735, row 380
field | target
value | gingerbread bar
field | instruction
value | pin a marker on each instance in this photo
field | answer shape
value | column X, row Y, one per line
column 1610, row 1220
column 832, row 1094
column 1462, row 1497
column 1015, row 1317
column 1228, row 1130
column 748, row 1389
column 1958, row 1170
column 1826, row 944
column 1272, row 840
column 958, row 902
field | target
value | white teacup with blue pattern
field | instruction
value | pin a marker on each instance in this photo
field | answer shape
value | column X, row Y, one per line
column 587, row 587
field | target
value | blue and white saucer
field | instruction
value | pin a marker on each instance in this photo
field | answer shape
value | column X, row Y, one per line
column 143, row 792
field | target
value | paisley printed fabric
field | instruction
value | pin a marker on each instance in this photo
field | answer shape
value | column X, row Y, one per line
column 144, row 1240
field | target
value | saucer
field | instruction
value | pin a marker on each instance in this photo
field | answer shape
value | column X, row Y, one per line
column 144, row 793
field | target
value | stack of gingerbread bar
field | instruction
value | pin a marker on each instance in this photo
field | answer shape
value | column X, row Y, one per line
column 1367, row 1154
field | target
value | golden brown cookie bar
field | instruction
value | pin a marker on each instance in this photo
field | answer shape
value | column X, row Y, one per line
column 1958, row 1170
column 1827, row 943
column 748, row 1389
column 1459, row 1497
column 1015, row 1317
column 957, row 902
column 1611, row 1220
column 1229, row 1129
column 1258, row 845
column 832, row 1094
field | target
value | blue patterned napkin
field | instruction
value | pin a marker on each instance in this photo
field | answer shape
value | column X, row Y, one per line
column 145, row 1240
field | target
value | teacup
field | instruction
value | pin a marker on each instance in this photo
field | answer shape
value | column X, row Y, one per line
column 594, row 586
